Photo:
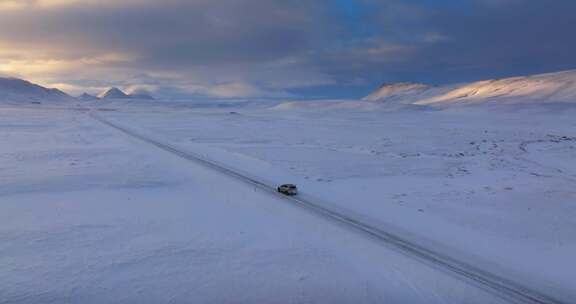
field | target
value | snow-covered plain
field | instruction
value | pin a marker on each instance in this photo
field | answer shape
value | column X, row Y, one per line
column 88, row 215
column 495, row 189
column 91, row 215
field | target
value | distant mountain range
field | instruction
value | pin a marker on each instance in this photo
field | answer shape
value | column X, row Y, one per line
column 14, row 90
column 557, row 88
column 22, row 91
column 543, row 88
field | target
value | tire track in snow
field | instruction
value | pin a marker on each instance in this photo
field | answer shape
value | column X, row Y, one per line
column 509, row 290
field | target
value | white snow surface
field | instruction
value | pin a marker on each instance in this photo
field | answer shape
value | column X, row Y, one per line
column 493, row 188
column 90, row 215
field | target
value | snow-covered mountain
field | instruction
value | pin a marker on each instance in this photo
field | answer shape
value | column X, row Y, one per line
column 113, row 93
column 536, row 89
column 87, row 97
column 21, row 91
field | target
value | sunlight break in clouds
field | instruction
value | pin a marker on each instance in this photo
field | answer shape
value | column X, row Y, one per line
column 41, row 67
column 50, row 4
column 25, row 4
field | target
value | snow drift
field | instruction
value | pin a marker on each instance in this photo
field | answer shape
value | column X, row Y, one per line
column 22, row 91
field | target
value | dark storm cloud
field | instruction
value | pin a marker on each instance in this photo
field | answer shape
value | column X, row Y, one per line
column 189, row 31
column 450, row 41
column 283, row 47
column 514, row 37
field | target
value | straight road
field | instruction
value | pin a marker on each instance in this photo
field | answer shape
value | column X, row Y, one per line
column 505, row 288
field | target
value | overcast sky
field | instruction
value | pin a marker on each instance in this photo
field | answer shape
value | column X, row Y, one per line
column 280, row 48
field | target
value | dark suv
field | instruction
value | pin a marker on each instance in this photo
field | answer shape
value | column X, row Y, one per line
column 288, row 189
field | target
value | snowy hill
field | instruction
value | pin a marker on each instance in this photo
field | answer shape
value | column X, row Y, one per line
column 21, row 91
column 552, row 88
column 397, row 91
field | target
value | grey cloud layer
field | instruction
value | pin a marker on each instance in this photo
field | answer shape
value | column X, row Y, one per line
column 278, row 46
